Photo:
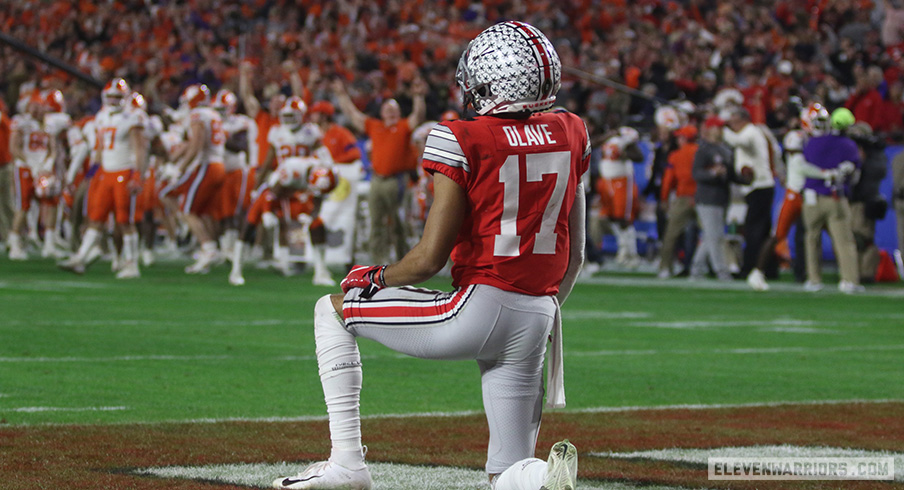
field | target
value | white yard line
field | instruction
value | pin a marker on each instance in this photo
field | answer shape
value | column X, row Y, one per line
column 706, row 284
column 62, row 409
column 737, row 350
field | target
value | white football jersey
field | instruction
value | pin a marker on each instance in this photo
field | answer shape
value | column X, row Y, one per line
column 113, row 143
column 35, row 143
column 213, row 140
column 794, row 143
column 613, row 165
column 299, row 143
column 233, row 124
column 293, row 171
column 55, row 123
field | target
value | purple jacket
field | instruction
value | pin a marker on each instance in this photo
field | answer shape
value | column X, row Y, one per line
column 827, row 152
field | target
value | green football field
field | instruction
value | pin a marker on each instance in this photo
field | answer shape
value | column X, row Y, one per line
column 190, row 360
column 173, row 347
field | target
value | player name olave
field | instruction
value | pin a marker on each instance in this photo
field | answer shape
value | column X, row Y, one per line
column 529, row 135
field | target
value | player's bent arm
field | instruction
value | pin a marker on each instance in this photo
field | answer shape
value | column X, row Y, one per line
column 419, row 106
column 428, row 257
column 139, row 143
column 576, row 237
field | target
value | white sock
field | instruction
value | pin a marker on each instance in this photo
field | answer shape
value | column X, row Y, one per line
column 237, row 257
column 130, row 247
column 91, row 238
column 629, row 235
column 15, row 241
column 341, row 377
column 320, row 260
column 527, row 474
column 209, row 247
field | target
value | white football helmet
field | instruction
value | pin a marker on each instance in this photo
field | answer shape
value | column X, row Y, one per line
column 292, row 112
column 509, row 67
column 115, row 94
column 815, row 119
column 628, row 135
column 225, row 102
column 195, row 96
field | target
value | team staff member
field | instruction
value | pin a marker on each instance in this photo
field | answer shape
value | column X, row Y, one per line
column 509, row 207
column 392, row 159
column 679, row 178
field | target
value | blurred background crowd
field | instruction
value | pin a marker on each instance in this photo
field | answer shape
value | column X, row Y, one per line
column 623, row 60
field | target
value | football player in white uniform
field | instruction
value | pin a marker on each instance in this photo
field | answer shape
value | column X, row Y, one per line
column 292, row 138
column 294, row 192
column 202, row 174
column 34, row 151
column 814, row 121
column 240, row 158
column 121, row 151
column 618, row 191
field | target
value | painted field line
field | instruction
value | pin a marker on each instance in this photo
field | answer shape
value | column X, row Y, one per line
column 694, row 324
column 738, row 350
column 599, row 353
column 51, row 286
column 634, row 408
column 386, row 476
column 713, row 285
column 260, row 322
column 62, row 409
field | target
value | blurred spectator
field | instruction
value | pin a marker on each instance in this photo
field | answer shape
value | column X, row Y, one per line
column 753, row 154
column 6, row 176
column 714, row 172
column 678, row 178
column 393, row 160
column 867, row 203
column 866, row 102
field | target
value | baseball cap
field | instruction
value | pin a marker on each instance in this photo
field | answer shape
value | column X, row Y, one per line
column 323, row 107
column 713, row 121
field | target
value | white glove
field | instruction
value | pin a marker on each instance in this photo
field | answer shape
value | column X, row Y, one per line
column 170, row 172
column 269, row 220
column 847, row 168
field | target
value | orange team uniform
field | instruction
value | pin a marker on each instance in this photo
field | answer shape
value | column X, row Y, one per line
column 109, row 189
column 678, row 176
column 289, row 208
column 391, row 153
column 199, row 189
column 342, row 144
column 616, row 186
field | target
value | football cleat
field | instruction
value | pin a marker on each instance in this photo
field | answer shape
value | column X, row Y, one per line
column 561, row 467
column 848, row 287
column 327, row 475
column 813, row 287
column 72, row 265
column 147, row 258
column 323, row 277
column 202, row 265
column 17, row 253
column 129, row 270
column 757, row 281
column 236, row 279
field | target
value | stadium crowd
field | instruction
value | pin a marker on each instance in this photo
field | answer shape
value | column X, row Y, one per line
column 676, row 76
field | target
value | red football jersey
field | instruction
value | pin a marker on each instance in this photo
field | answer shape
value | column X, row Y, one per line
column 521, row 176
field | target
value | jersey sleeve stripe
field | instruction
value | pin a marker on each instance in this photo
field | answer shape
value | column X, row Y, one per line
column 448, row 158
column 442, row 147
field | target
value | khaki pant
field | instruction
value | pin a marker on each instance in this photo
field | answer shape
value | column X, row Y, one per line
column 386, row 226
column 6, row 199
column 835, row 215
column 681, row 212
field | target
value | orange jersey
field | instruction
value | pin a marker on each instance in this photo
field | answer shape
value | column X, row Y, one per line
column 342, row 144
column 391, row 151
column 264, row 122
column 678, row 175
